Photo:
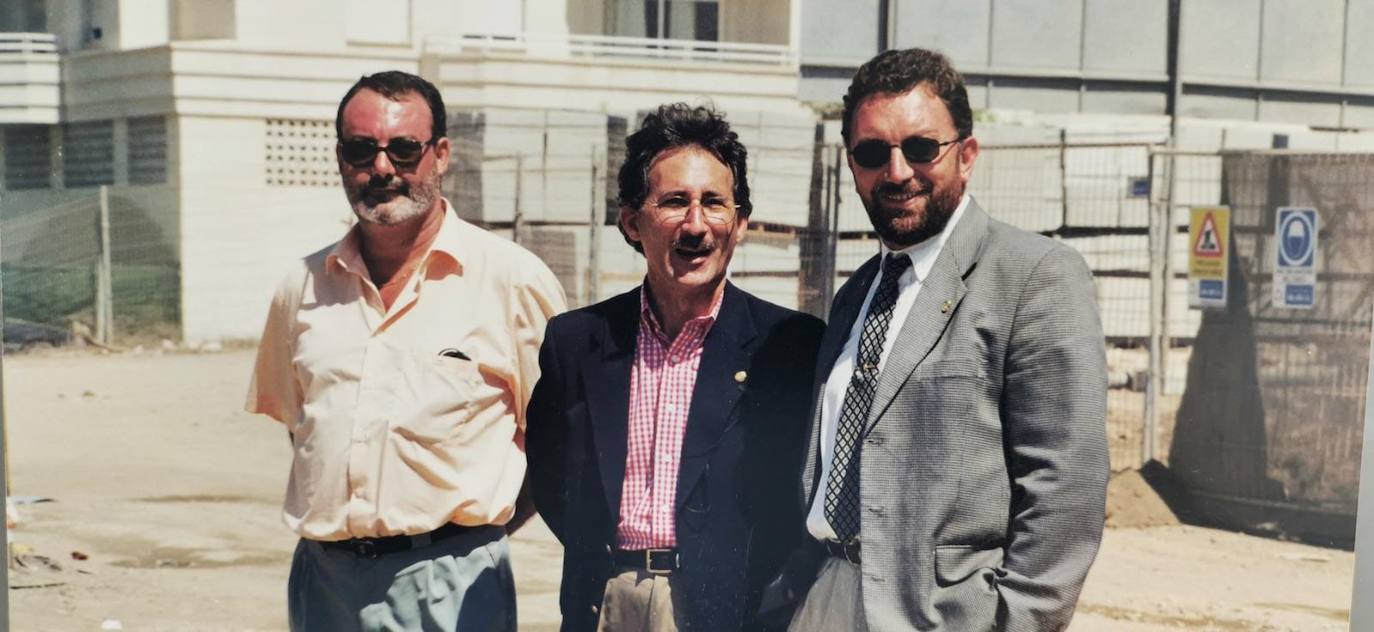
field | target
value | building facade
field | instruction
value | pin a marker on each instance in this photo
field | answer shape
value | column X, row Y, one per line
column 211, row 121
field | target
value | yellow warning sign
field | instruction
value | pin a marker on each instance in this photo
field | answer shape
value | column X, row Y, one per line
column 1209, row 233
column 1209, row 238
column 1207, row 244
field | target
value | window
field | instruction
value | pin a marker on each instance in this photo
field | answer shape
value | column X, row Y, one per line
column 88, row 154
column 666, row 19
column 24, row 16
column 28, row 157
column 147, row 150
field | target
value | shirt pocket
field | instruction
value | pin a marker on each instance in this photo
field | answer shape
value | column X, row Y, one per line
column 444, row 394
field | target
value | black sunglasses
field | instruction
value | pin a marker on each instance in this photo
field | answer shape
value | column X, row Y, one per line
column 872, row 154
column 403, row 152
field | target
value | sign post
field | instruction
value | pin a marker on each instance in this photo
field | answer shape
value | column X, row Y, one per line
column 1209, row 236
column 1362, row 610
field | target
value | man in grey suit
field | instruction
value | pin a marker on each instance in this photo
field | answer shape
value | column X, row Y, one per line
column 957, row 467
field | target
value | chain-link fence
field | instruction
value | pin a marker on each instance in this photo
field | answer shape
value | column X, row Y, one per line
column 550, row 183
column 100, row 263
column 1252, row 402
column 1269, row 423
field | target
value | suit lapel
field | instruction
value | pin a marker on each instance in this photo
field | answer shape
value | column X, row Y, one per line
column 935, row 305
column 716, row 391
column 606, row 378
column 843, row 313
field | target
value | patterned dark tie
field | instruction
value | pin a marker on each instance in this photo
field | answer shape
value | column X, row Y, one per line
column 842, row 490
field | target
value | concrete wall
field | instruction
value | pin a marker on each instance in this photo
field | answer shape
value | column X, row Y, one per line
column 203, row 19
column 300, row 25
column 238, row 235
column 1281, row 61
column 144, row 23
column 475, row 79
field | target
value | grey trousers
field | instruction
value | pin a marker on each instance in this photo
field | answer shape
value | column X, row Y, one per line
column 457, row 584
column 835, row 602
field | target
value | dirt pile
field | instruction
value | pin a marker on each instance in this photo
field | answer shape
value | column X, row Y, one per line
column 1133, row 502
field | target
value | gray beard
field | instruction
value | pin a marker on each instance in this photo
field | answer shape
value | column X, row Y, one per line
column 400, row 209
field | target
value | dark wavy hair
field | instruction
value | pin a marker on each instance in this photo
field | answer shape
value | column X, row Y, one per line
column 680, row 125
column 392, row 84
column 898, row 71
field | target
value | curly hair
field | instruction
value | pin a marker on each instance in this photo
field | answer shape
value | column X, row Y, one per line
column 680, row 125
column 898, row 71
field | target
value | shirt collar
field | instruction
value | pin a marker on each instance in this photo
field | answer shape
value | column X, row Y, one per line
column 648, row 319
column 924, row 253
column 347, row 254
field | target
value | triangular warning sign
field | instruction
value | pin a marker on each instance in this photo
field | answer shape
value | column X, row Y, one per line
column 1208, row 241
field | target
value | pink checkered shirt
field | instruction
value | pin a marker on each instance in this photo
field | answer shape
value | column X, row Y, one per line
column 661, row 383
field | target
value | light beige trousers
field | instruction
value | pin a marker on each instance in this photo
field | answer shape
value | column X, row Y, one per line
column 638, row 601
column 835, row 602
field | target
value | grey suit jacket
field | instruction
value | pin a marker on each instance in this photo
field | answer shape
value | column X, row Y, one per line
column 984, row 465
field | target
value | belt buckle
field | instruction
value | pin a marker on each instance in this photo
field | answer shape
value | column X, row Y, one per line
column 851, row 551
column 649, row 561
column 365, row 548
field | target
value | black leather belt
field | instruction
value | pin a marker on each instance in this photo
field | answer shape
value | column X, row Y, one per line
column 376, row 547
column 655, row 561
column 843, row 551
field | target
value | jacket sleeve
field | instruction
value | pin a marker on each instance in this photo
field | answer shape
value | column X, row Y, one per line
column 546, row 435
column 1054, row 423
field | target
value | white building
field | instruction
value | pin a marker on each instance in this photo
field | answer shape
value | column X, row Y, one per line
column 212, row 120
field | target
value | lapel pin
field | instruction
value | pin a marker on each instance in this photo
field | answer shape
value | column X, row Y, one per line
column 945, row 307
column 741, row 376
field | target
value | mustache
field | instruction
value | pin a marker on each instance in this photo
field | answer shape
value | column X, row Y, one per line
column 911, row 185
column 385, row 184
column 694, row 244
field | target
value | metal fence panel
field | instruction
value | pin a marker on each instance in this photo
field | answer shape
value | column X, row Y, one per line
column 1272, row 413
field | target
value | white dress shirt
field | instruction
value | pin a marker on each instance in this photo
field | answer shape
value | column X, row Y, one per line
column 923, row 257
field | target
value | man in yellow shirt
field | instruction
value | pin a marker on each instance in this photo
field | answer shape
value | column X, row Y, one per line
column 400, row 360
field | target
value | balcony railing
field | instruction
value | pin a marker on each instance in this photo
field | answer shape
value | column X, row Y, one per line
column 614, row 47
column 28, row 45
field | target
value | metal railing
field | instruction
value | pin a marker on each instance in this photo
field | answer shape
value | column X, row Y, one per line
column 28, row 44
column 603, row 47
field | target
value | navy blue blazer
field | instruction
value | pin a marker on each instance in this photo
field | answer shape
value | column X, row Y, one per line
column 737, row 517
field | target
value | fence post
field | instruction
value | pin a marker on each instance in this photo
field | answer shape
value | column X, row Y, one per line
column 594, row 241
column 1361, row 614
column 1063, row 179
column 104, row 294
column 544, row 172
column 518, row 217
column 1158, row 235
column 5, row 467
column 833, row 268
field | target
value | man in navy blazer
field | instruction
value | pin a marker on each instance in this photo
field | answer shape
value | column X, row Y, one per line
column 668, row 425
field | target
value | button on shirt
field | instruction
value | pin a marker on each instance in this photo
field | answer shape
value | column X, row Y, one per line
column 406, row 418
column 923, row 257
column 661, row 383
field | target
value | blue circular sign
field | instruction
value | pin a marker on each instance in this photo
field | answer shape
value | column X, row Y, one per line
column 1296, row 239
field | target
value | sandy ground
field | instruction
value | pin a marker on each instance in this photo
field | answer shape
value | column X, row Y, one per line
column 171, row 494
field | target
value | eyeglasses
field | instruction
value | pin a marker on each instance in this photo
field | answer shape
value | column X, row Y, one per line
column 673, row 209
column 872, row 154
column 402, row 152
